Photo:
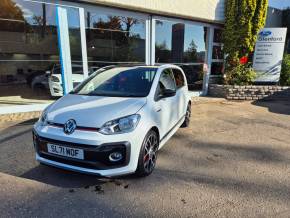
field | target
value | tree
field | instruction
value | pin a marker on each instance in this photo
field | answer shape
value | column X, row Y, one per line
column 10, row 10
column 191, row 52
column 286, row 23
column 243, row 20
column 118, row 31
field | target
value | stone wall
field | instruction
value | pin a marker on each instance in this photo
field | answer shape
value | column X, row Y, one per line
column 251, row 92
column 19, row 116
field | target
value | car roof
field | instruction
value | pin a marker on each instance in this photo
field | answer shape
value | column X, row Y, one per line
column 142, row 65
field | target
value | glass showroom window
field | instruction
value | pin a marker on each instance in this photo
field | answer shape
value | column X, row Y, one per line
column 28, row 48
column 74, row 37
column 113, row 38
column 217, row 66
column 183, row 44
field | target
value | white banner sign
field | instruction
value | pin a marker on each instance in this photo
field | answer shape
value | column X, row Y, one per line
column 269, row 54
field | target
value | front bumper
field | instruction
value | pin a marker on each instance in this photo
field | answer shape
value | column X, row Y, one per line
column 96, row 158
column 96, row 152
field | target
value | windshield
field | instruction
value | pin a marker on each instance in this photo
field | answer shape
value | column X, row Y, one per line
column 118, row 82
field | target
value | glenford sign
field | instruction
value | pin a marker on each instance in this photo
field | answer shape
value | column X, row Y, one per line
column 269, row 54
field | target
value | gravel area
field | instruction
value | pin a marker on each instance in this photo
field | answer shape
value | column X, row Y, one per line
column 233, row 161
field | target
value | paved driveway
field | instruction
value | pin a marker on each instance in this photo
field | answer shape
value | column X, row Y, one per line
column 234, row 161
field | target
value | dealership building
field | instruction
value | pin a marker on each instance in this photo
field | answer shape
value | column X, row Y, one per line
column 48, row 43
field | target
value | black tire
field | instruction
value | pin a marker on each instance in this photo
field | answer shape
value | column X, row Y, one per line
column 148, row 154
column 187, row 116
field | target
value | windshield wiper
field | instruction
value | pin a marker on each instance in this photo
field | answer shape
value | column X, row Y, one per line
column 110, row 95
column 133, row 96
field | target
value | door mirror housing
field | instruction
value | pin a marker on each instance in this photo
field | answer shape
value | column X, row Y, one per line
column 167, row 93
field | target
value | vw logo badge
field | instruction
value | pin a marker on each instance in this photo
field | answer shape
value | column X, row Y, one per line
column 70, row 126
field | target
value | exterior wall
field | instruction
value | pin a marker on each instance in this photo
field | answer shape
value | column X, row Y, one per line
column 274, row 17
column 203, row 10
column 250, row 92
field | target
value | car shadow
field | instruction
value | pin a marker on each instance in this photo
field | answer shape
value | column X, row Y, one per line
column 278, row 103
column 69, row 179
column 62, row 178
column 17, row 159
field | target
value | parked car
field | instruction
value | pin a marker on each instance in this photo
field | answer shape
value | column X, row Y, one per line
column 115, row 121
column 55, row 79
column 31, row 74
column 40, row 82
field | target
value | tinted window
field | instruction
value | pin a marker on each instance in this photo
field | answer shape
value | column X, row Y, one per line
column 179, row 79
column 28, row 47
column 179, row 42
column 217, row 52
column 217, row 35
column 217, row 68
column 119, row 82
column 167, row 80
column 75, row 70
column 194, row 75
column 112, row 38
column 183, row 44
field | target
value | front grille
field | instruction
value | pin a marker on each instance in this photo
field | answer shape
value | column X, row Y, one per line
column 82, row 128
column 95, row 157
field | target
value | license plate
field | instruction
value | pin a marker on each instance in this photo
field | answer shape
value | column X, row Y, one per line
column 65, row 151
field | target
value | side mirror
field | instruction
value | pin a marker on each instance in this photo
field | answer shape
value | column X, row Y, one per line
column 167, row 93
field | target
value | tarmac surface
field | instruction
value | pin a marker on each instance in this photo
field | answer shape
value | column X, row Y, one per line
column 233, row 161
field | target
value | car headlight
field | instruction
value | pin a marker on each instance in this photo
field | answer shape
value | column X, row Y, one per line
column 121, row 125
column 43, row 117
column 55, row 79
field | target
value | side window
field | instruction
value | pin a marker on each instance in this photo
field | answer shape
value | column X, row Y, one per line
column 167, row 80
column 179, row 78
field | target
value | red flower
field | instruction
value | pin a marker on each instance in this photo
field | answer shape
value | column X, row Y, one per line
column 244, row 60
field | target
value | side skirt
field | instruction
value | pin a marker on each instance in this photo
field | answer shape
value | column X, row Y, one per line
column 171, row 132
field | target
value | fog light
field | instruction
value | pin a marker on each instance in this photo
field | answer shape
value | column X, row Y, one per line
column 115, row 156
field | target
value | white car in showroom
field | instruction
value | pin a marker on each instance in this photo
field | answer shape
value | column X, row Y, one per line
column 115, row 121
column 55, row 79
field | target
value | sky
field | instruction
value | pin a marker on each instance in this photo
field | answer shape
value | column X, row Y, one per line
column 279, row 3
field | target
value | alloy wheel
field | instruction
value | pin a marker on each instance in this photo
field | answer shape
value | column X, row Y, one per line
column 150, row 154
column 188, row 114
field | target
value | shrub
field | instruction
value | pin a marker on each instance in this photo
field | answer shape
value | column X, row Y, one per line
column 285, row 71
column 243, row 20
column 242, row 74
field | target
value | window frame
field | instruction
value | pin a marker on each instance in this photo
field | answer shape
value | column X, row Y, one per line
column 180, row 72
column 217, row 61
column 157, row 90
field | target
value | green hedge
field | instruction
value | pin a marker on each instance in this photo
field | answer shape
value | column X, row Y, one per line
column 242, row 74
column 285, row 71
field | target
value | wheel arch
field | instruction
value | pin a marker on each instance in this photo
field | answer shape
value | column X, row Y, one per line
column 155, row 128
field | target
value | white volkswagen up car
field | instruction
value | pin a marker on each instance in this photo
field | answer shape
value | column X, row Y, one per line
column 115, row 121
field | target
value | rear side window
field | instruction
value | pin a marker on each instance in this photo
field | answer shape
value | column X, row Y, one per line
column 167, row 80
column 179, row 78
